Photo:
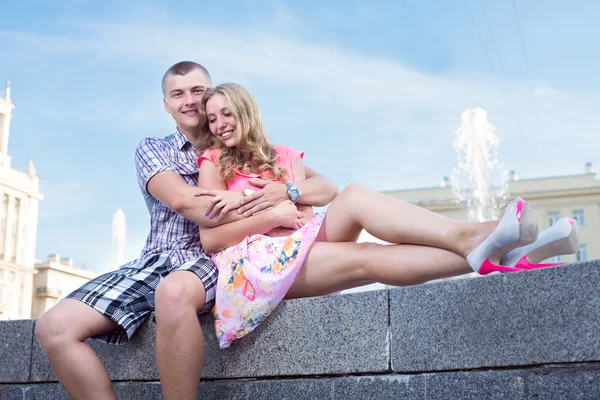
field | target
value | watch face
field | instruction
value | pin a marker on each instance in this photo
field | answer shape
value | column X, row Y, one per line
column 293, row 192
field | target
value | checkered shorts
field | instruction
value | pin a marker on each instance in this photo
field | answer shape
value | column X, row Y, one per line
column 127, row 295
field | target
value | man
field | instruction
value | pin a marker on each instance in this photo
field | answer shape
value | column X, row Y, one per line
column 112, row 306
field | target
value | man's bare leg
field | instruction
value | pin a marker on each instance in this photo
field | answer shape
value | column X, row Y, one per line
column 61, row 332
column 179, row 341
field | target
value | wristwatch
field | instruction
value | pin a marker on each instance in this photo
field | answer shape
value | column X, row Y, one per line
column 293, row 192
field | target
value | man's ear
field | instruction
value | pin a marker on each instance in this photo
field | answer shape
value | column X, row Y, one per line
column 166, row 105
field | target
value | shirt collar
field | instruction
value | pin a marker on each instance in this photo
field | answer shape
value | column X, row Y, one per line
column 181, row 140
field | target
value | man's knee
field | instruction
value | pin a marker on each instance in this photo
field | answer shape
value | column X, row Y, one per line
column 177, row 295
column 51, row 329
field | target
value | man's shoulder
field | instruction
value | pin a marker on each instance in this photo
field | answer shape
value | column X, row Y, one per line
column 157, row 141
column 155, row 144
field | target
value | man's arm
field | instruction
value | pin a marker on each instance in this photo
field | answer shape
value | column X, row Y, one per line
column 315, row 190
column 171, row 190
column 157, row 175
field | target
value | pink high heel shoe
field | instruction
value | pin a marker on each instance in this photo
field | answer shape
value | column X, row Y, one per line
column 559, row 239
column 518, row 227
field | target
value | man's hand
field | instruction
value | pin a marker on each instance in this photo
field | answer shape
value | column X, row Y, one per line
column 223, row 201
column 271, row 194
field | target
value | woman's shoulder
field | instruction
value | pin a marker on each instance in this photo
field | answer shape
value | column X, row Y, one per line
column 210, row 155
column 288, row 153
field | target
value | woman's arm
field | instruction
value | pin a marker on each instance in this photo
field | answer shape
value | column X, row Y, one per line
column 211, row 188
column 284, row 214
column 230, row 233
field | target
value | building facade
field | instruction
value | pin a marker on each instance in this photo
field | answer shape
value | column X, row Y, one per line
column 27, row 289
column 19, row 201
column 53, row 280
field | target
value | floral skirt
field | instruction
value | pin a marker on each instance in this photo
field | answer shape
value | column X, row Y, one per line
column 254, row 277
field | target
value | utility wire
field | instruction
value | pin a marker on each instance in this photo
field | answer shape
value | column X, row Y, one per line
column 536, row 109
column 487, row 54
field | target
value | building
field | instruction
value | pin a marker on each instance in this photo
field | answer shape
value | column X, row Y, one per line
column 576, row 196
column 27, row 289
column 54, row 279
column 19, row 200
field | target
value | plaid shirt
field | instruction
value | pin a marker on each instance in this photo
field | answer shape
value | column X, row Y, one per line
column 170, row 232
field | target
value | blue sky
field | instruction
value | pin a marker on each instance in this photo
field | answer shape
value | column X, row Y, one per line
column 371, row 91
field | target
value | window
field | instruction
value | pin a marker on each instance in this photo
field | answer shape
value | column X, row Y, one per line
column 582, row 253
column 556, row 259
column 1, row 274
column 3, row 219
column 13, row 276
column 15, row 229
column 578, row 216
column 553, row 218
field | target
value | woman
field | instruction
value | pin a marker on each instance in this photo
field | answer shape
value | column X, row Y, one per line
column 292, row 253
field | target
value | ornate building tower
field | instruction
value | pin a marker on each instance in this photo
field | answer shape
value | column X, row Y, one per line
column 19, row 201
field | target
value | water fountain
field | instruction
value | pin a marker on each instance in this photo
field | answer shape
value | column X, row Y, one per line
column 479, row 178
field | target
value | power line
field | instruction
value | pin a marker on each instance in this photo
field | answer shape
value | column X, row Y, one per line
column 489, row 26
column 536, row 109
column 502, row 89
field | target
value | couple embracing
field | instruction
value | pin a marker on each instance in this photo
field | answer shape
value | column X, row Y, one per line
column 233, row 232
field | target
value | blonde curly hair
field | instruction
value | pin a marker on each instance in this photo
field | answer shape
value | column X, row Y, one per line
column 253, row 152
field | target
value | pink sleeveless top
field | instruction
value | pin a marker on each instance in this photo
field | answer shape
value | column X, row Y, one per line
column 285, row 159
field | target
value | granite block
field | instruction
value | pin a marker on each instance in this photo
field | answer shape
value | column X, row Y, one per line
column 40, row 391
column 335, row 334
column 475, row 385
column 532, row 317
column 11, row 392
column 132, row 361
column 15, row 350
column 138, row 390
column 54, row 391
column 280, row 389
column 380, row 387
column 564, row 383
column 321, row 335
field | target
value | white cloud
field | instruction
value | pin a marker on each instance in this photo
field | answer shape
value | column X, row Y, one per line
column 414, row 114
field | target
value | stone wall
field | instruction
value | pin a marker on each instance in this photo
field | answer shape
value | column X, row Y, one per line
column 530, row 335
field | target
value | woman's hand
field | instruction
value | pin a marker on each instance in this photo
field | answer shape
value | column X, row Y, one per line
column 271, row 194
column 223, row 201
column 288, row 216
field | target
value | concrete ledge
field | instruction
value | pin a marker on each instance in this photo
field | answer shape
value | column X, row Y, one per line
column 15, row 350
column 326, row 335
column 530, row 335
column 532, row 317
column 549, row 383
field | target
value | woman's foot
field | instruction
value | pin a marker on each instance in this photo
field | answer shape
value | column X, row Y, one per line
column 517, row 227
column 559, row 239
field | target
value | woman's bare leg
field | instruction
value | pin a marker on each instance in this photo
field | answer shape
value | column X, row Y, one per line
column 358, row 207
column 330, row 267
